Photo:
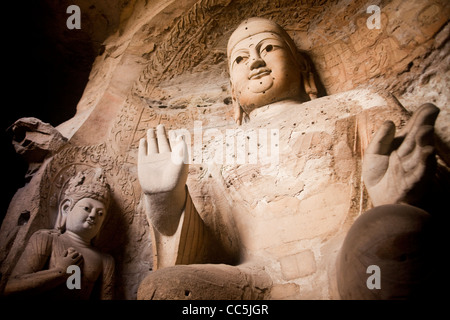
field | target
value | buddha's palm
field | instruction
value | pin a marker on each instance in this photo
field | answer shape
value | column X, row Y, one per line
column 161, row 168
column 398, row 169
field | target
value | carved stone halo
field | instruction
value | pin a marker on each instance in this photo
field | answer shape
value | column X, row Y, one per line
column 199, row 39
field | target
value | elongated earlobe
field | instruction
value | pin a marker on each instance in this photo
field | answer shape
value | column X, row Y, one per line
column 310, row 84
column 238, row 113
column 64, row 209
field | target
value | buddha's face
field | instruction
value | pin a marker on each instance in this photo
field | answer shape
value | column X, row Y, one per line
column 86, row 218
column 262, row 71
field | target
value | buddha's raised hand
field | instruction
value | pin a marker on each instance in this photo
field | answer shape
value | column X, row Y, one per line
column 160, row 167
column 162, row 173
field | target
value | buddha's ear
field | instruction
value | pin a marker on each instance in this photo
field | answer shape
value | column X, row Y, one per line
column 63, row 211
column 309, row 84
column 306, row 69
column 238, row 113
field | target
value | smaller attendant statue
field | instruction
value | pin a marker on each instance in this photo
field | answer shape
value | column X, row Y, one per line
column 42, row 270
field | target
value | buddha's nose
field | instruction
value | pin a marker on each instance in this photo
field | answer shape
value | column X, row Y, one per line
column 256, row 61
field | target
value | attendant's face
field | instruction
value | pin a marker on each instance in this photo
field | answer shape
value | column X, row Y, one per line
column 86, row 218
column 262, row 71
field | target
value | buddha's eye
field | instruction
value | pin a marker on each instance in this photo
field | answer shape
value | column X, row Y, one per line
column 268, row 48
column 86, row 208
column 100, row 213
column 239, row 59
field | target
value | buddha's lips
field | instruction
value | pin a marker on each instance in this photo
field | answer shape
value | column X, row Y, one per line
column 259, row 73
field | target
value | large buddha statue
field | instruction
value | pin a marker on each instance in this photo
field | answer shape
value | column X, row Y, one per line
column 299, row 202
column 43, row 271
